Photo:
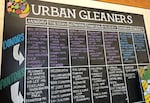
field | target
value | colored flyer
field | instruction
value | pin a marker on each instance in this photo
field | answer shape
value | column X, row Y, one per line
column 144, row 72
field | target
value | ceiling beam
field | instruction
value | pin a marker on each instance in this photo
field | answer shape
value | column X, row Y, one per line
column 136, row 3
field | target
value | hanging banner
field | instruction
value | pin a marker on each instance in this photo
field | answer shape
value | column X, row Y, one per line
column 57, row 53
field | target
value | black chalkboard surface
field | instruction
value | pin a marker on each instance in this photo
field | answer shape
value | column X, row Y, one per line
column 57, row 53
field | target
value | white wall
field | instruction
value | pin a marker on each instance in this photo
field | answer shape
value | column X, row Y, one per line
column 1, row 28
column 93, row 4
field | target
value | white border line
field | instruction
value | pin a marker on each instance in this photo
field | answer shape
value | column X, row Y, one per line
column 110, row 95
column 124, row 74
column 90, row 78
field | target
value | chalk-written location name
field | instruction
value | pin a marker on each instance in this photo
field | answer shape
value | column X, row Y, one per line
column 11, row 78
column 13, row 41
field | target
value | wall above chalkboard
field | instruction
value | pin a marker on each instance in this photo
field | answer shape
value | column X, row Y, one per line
column 136, row 3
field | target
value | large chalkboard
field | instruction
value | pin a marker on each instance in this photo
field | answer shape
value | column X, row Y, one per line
column 57, row 53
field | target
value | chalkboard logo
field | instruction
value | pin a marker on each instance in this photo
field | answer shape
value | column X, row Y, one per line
column 18, row 8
